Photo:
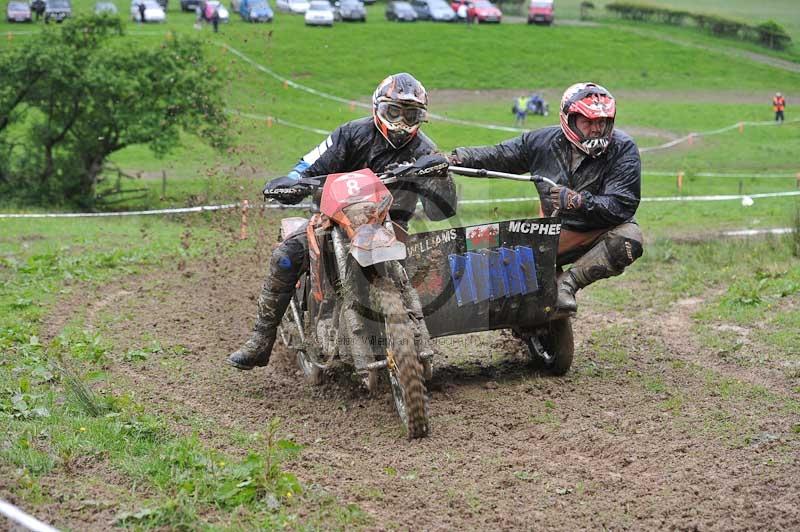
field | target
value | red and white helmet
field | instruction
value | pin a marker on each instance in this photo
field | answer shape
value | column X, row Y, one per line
column 591, row 101
column 399, row 106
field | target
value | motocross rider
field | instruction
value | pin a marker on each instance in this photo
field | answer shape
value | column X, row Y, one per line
column 598, row 171
column 391, row 135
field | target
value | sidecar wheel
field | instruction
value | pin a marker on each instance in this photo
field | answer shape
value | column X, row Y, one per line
column 559, row 343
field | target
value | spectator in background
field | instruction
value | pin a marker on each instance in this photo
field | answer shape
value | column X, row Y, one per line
column 470, row 13
column 521, row 110
column 141, row 11
column 778, row 104
column 461, row 12
column 215, row 19
column 37, row 6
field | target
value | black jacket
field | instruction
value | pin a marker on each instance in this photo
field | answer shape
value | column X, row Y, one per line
column 358, row 144
column 610, row 184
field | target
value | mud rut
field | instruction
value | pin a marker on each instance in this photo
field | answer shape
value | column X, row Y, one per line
column 595, row 449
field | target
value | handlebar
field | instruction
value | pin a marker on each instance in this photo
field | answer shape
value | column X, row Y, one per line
column 391, row 177
column 480, row 172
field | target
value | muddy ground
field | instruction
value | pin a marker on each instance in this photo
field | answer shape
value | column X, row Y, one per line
column 648, row 430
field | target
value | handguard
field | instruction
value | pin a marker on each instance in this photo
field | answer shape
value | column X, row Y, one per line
column 431, row 165
column 287, row 190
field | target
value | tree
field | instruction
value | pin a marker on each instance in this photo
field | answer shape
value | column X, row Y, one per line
column 83, row 94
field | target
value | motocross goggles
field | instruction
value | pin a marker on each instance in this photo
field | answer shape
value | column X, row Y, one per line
column 395, row 113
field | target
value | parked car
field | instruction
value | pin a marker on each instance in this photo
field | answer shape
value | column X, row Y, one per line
column 255, row 11
column 436, row 10
column 350, row 10
column 400, row 11
column 297, row 7
column 190, row 5
column 481, row 10
column 18, row 12
column 207, row 8
column 153, row 12
column 105, row 8
column 57, row 10
column 540, row 12
column 319, row 13
column 486, row 11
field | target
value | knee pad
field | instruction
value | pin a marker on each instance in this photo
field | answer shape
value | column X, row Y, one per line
column 286, row 264
column 623, row 251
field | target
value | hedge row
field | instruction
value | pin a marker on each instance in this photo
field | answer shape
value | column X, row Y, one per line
column 769, row 34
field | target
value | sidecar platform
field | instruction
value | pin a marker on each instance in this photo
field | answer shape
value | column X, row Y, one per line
column 483, row 277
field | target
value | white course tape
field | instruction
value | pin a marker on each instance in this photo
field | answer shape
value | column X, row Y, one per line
column 206, row 208
column 675, row 142
column 23, row 519
column 185, row 210
column 278, row 121
column 725, row 197
column 732, row 176
column 756, row 232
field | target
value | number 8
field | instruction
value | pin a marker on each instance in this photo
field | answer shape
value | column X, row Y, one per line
column 352, row 187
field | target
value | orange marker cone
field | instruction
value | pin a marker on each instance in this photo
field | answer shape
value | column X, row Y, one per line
column 741, row 127
column 691, row 139
column 680, row 181
column 269, row 121
column 286, row 84
column 352, row 106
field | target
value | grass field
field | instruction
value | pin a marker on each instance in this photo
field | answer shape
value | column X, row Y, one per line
column 85, row 445
column 783, row 12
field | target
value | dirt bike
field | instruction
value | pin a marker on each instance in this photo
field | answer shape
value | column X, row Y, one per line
column 354, row 305
column 373, row 302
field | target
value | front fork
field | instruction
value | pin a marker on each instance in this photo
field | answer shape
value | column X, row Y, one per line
column 362, row 355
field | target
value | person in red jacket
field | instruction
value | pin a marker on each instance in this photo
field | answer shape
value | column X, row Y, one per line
column 778, row 104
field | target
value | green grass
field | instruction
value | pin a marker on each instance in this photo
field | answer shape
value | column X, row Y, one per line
column 782, row 11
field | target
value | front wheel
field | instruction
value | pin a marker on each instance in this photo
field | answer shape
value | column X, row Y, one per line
column 552, row 352
column 405, row 368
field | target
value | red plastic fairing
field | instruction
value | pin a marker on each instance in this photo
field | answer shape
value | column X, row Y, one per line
column 341, row 190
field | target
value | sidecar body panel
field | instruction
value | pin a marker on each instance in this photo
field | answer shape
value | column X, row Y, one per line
column 483, row 277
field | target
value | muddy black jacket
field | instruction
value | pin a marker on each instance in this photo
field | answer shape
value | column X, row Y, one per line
column 358, row 144
column 610, row 184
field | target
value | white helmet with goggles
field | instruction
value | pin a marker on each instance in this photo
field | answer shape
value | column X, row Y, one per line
column 399, row 106
column 592, row 102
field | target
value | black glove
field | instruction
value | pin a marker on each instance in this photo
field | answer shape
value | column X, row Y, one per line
column 286, row 190
column 565, row 199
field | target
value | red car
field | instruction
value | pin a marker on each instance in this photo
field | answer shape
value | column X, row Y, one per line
column 540, row 12
column 480, row 10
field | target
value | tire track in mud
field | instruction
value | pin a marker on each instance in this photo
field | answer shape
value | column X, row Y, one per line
column 628, row 439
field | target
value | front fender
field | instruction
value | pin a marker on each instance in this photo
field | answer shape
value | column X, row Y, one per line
column 374, row 244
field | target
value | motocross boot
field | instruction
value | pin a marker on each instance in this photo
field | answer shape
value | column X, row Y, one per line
column 618, row 249
column 567, row 286
column 256, row 350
